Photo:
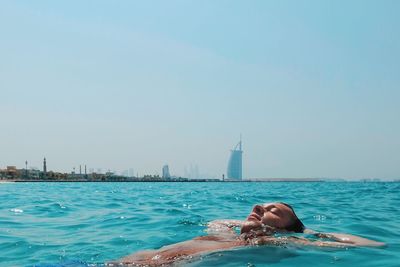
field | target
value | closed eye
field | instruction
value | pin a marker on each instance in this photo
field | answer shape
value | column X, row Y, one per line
column 275, row 211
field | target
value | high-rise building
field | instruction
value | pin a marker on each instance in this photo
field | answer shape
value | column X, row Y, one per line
column 235, row 162
column 193, row 172
column 165, row 172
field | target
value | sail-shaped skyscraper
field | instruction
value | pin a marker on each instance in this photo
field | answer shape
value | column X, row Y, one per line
column 235, row 162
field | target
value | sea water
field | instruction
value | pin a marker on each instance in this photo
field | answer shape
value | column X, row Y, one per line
column 88, row 224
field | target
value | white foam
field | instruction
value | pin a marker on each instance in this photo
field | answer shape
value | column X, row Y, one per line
column 16, row 210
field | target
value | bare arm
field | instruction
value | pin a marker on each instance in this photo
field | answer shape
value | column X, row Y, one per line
column 350, row 239
column 158, row 257
column 331, row 240
column 185, row 250
column 294, row 240
column 345, row 239
column 223, row 237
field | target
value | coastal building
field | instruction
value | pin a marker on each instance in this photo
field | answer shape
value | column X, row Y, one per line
column 234, row 171
column 193, row 172
column 131, row 172
column 34, row 174
column 12, row 172
column 165, row 172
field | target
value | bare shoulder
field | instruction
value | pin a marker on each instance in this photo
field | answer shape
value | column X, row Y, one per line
column 226, row 222
column 221, row 226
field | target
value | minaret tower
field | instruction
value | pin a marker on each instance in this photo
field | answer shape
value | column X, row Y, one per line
column 44, row 167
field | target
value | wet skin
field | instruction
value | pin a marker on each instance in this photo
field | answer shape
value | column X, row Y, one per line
column 258, row 229
column 272, row 215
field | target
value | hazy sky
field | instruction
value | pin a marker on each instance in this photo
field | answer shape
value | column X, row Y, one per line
column 313, row 86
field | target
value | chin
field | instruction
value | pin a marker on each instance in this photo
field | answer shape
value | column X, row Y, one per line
column 250, row 225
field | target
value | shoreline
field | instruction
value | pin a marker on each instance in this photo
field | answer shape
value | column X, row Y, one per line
column 164, row 181
column 84, row 181
column 192, row 181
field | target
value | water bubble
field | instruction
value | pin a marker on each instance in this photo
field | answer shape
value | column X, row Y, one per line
column 61, row 206
column 319, row 217
column 156, row 257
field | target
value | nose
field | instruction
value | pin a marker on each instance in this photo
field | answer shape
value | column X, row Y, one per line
column 258, row 210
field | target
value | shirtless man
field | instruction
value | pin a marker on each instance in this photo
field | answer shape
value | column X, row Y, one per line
column 258, row 229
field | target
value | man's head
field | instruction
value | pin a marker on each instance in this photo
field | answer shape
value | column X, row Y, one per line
column 277, row 216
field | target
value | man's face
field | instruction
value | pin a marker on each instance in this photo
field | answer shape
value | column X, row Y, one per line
column 274, row 215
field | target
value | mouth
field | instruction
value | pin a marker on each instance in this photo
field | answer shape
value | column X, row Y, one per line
column 254, row 217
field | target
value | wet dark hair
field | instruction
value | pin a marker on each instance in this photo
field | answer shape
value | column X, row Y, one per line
column 297, row 226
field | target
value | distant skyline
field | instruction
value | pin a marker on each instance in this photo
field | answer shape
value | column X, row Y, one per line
column 313, row 86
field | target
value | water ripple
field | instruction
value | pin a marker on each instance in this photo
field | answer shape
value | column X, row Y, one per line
column 86, row 224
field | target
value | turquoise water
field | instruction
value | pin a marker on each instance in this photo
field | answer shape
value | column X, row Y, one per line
column 87, row 224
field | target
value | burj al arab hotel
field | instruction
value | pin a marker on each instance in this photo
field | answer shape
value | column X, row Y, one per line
column 235, row 162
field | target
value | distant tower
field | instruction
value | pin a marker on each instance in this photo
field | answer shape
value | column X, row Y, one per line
column 196, row 172
column 235, row 162
column 44, row 167
column 26, row 168
column 165, row 172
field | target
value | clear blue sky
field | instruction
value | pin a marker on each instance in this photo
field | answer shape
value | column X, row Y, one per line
column 313, row 86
